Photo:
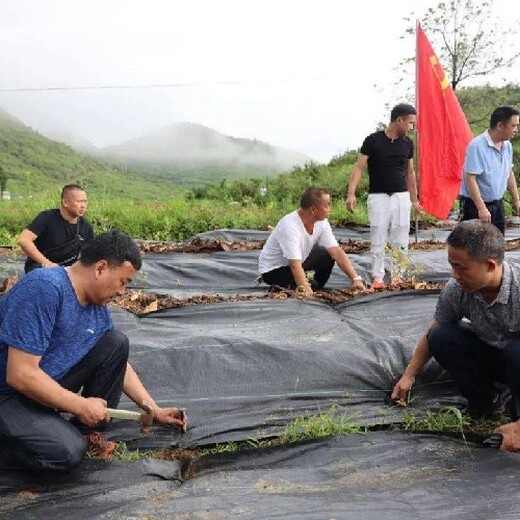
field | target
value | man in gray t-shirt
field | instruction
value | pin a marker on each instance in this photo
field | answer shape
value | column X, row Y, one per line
column 475, row 334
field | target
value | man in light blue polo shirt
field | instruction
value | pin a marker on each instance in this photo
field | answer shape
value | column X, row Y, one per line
column 488, row 170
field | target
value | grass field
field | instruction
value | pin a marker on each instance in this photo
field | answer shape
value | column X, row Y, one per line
column 173, row 220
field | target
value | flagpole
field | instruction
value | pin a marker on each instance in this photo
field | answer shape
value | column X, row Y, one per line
column 416, row 131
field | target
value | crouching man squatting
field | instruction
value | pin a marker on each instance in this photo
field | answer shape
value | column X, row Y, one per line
column 56, row 337
column 485, row 348
column 303, row 241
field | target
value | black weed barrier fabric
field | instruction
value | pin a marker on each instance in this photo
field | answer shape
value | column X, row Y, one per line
column 234, row 272
column 341, row 233
column 379, row 476
column 246, row 369
column 384, row 475
column 96, row 489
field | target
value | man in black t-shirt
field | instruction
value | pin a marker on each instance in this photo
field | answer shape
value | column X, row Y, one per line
column 392, row 190
column 56, row 236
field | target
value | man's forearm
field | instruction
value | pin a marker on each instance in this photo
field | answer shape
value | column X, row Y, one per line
column 298, row 273
column 134, row 388
column 40, row 387
column 30, row 249
column 412, row 187
column 420, row 357
column 474, row 191
column 343, row 262
column 355, row 178
column 513, row 189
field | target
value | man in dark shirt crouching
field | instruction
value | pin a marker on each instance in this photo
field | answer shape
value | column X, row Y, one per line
column 475, row 333
column 56, row 236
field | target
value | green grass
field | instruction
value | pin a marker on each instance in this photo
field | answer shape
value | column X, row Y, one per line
column 333, row 422
column 336, row 421
column 123, row 454
column 172, row 220
column 447, row 419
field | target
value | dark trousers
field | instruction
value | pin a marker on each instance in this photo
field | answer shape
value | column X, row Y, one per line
column 318, row 261
column 37, row 438
column 468, row 211
column 475, row 366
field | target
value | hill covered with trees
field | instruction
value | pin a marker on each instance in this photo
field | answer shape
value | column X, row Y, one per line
column 30, row 164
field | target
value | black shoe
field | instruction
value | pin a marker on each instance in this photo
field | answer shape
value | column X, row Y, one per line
column 493, row 410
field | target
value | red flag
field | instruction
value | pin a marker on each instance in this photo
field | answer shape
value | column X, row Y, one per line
column 443, row 133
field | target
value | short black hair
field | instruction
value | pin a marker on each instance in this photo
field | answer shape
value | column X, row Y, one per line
column 402, row 110
column 312, row 197
column 115, row 247
column 502, row 114
column 481, row 240
column 68, row 188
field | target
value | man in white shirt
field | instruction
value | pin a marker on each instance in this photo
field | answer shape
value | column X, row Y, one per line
column 303, row 241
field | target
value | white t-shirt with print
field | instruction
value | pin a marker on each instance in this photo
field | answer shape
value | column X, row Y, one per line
column 290, row 241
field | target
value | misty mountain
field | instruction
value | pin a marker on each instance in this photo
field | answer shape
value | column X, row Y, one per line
column 188, row 146
column 64, row 135
column 35, row 164
column 8, row 122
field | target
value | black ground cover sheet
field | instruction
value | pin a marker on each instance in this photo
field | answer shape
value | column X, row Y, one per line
column 234, row 272
column 183, row 275
column 245, row 369
column 384, row 475
column 341, row 233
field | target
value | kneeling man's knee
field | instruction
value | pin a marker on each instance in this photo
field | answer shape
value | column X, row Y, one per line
column 439, row 336
column 118, row 342
column 64, row 455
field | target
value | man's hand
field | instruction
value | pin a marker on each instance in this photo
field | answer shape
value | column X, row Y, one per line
column 358, row 284
column 484, row 214
column 304, row 291
column 93, row 410
column 511, row 436
column 417, row 208
column 350, row 202
column 172, row 416
column 401, row 389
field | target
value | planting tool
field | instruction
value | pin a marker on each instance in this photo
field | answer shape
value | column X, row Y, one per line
column 145, row 417
column 494, row 441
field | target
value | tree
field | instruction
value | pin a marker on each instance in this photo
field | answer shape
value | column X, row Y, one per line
column 467, row 39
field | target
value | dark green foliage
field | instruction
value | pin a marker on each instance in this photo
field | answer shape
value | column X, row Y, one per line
column 287, row 187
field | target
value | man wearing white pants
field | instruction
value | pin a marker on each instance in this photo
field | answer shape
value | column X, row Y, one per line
column 392, row 189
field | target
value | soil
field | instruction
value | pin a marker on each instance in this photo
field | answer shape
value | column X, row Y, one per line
column 200, row 245
column 11, row 251
column 141, row 303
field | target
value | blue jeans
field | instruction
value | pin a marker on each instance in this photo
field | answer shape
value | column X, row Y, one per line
column 34, row 437
column 474, row 365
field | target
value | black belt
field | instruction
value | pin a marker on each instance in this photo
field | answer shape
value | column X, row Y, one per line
column 488, row 203
column 386, row 192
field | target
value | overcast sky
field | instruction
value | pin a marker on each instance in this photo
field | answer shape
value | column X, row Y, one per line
column 306, row 75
